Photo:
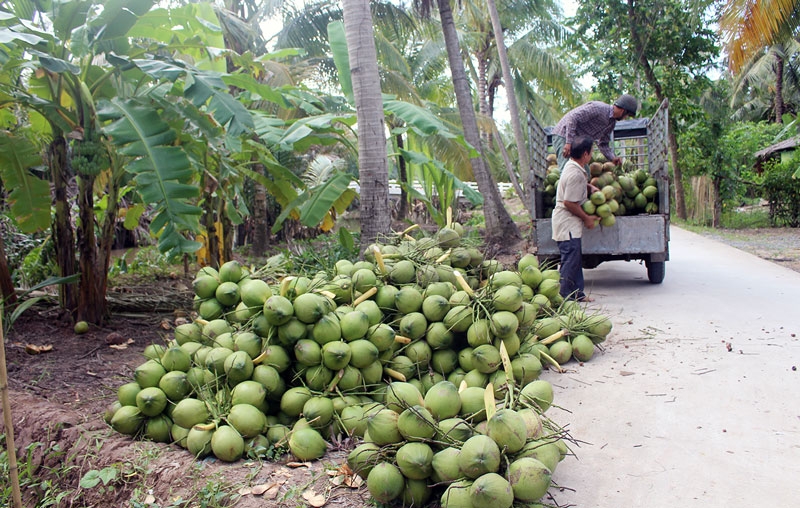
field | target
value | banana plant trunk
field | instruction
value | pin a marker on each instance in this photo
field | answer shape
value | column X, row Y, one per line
column 92, row 295
column 63, row 235
column 7, row 293
column 500, row 229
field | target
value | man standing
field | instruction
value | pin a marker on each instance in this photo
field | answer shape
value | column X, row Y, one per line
column 595, row 120
column 569, row 218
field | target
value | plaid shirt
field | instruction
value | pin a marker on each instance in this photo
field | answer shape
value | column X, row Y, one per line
column 594, row 120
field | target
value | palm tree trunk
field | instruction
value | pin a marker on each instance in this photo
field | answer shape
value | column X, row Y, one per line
column 779, row 107
column 402, row 210
column 373, row 165
column 513, row 110
column 499, row 226
column 63, row 235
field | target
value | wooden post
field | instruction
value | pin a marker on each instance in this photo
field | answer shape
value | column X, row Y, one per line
column 9, row 423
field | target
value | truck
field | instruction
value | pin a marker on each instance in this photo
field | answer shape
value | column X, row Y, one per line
column 643, row 237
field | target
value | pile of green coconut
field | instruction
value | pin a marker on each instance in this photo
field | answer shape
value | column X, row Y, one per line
column 424, row 353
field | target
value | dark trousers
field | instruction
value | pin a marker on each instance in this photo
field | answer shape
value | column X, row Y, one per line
column 571, row 269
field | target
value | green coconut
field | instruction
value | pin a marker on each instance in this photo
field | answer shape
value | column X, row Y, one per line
column 247, row 419
column 204, row 286
column 582, row 348
column 278, row 310
column 385, row 482
column 371, row 309
column 215, row 359
column 224, row 340
column 363, row 458
column 149, row 373
column 126, row 393
column 362, row 353
column 227, row 444
column 408, row 299
column 278, row 434
column 416, row 493
column 307, row 444
column 327, row 329
column 416, row 423
column 254, row 292
column 191, row 348
column 353, row 421
column 479, row 333
column 294, row 399
column 545, row 451
column 269, row 377
column 526, row 315
column 533, row 422
column 502, row 278
column 190, row 412
column 526, row 368
column 401, row 395
column 486, row 358
column 444, row 465
column 459, row 318
column 472, row 404
column 318, row 411
column 372, row 373
column 402, row 272
column 504, row 323
column 188, row 332
column 248, row 392
column 529, row 479
column 453, row 430
column 213, row 328
column 155, row 351
column 414, row 460
column 549, row 288
column 227, row 294
column 419, row 353
column 317, row 377
column 151, row 401
column 335, row 355
column 442, row 400
column 127, row 420
column 426, row 274
column 307, row 352
column 198, row 442
column 385, row 297
column 476, row 378
column 447, row 238
column 493, row 490
column 112, row 408
column 354, row 325
column 507, row 298
column 309, row 307
column 443, row 361
column 382, row 335
column 507, row 428
column 238, row 367
column 211, row 309
column 479, row 455
column 413, row 325
column 349, row 378
column 538, row 393
column 561, row 351
column 231, row 271
column 404, row 366
column 178, row 435
column 248, row 342
column 292, row 331
column 457, row 495
column 382, row 427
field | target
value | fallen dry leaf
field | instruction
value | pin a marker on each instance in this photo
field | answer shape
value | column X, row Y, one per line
column 244, row 491
column 314, row 499
column 33, row 349
column 122, row 346
column 260, row 489
column 165, row 325
column 298, row 464
column 150, row 499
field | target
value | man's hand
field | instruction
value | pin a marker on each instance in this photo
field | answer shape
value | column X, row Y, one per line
column 617, row 161
column 566, row 150
column 590, row 221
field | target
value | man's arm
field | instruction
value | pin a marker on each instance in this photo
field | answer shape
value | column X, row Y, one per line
column 574, row 208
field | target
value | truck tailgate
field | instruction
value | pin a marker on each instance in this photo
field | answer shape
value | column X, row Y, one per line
column 636, row 234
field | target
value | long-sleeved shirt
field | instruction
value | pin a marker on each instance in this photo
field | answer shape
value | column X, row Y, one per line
column 595, row 120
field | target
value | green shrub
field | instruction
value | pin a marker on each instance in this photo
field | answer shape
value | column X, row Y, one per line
column 782, row 191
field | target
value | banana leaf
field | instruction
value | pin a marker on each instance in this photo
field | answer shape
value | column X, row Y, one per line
column 29, row 196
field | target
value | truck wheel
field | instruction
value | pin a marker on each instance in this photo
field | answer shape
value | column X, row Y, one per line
column 655, row 271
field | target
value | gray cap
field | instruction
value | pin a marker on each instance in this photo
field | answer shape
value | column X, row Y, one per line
column 628, row 103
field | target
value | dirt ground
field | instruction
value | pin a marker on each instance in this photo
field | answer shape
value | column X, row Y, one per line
column 58, row 399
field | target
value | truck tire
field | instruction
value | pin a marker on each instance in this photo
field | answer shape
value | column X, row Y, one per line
column 655, row 271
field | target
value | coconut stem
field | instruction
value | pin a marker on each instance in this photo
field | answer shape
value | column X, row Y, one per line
column 556, row 336
column 394, row 374
column 551, row 360
column 366, row 296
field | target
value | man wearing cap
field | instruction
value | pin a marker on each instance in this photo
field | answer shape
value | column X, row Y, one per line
column 595, row 120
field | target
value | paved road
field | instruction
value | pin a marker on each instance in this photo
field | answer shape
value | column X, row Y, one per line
column 669, row 415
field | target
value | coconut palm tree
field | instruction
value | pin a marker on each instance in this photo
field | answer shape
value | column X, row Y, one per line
column 766, row 86
column 748, row 26
column 372, row 161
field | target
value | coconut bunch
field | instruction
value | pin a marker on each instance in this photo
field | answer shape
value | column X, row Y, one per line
column 568, row 333
column 623, row 190
column 463, row 445
column 294, row 363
